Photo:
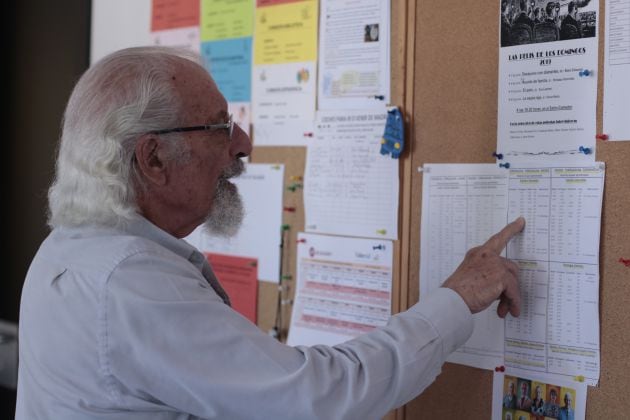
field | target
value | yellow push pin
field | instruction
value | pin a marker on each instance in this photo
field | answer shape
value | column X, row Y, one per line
column 381, row 231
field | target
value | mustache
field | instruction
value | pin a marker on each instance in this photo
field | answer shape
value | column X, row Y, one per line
column 237, row 168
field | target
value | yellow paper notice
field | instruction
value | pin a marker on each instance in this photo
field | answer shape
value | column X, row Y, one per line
column 226, row 19
column 286, row 33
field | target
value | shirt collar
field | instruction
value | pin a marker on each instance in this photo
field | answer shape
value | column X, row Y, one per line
column 140, row 226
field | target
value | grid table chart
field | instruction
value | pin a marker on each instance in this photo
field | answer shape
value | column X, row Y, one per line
column 558, row 258
column 619, row 32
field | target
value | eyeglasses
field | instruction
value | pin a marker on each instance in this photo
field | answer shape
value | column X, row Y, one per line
column 229, row 126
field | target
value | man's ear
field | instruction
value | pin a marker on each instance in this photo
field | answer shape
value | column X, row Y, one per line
column 149, row 158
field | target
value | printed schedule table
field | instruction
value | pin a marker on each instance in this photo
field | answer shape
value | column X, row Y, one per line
column 557, row 331
column 462, row 206
column 619, row 32
column 558, row 256
column 343, row 288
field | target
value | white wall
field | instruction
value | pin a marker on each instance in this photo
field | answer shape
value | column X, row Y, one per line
column 119, row 24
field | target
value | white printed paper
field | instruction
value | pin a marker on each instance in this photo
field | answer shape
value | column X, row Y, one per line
column 557, row 253
column 354, row 68
column 558, row 257
column 548, row 88
column 462, row 206
column 343, row 288
column 350, row 188
column 284, row 75
column 283, row 104
column 241, row 113
column 261, row 188
column 617, row 70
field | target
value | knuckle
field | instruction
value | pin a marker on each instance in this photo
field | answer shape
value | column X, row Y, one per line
column 472, row 252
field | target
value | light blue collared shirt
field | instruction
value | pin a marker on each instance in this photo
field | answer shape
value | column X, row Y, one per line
column 132, row 324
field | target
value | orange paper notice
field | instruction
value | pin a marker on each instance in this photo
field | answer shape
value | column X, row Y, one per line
column 171, row 14
column 239, row 278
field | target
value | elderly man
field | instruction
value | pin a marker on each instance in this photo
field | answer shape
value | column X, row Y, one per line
column 121, row 319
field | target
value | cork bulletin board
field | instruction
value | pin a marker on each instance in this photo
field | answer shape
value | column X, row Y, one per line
column 453, row 119
column 444, row 77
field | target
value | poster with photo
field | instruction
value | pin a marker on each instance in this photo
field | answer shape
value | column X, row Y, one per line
column 520, row 396
column 354, row 54
column 547, row 80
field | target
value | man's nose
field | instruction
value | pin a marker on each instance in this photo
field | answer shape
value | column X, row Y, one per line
column 241, row 144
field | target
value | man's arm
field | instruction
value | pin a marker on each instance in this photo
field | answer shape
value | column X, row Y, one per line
column 170, row 339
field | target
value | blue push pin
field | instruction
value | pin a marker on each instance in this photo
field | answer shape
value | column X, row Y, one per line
column 505, row 165
column 584, row 73
column 379, row 246
column 497, row 155
column 379, row 97
column 585, row 150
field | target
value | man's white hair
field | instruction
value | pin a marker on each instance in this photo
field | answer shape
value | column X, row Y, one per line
column 124, row 95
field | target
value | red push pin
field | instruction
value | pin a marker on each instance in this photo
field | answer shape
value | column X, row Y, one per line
column 301, row 241
column 308, row 134
column 625, row 262
column 289, row 209
column 602, row 137
column 499, row 369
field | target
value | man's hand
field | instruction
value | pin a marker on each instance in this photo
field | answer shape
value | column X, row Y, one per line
column 485, row 276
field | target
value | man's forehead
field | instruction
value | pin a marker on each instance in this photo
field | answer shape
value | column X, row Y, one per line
column 199, row 92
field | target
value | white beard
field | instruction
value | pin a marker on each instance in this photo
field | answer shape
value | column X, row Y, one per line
column 227, row 212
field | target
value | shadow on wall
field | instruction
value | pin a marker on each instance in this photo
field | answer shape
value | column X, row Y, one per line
column 45, row 49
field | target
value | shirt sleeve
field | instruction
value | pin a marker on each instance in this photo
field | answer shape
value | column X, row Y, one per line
column 169, row 340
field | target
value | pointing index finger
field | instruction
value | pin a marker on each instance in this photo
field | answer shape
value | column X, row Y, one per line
column 499, row 240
